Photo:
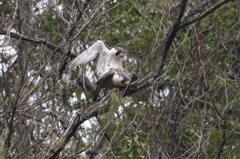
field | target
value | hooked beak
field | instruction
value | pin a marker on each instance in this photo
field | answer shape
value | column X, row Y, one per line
column 127, row 82
column 121, row 54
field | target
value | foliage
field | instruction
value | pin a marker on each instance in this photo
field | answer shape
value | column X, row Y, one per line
column 190, row 109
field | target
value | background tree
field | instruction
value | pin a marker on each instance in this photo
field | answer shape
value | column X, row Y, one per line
column 184, row 105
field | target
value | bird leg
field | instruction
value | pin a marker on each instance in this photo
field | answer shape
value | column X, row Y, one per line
column 113, row 89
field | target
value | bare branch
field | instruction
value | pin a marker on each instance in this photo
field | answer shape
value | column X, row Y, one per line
column 171, row 35
column 196, row 10
column 139, row 84
column 224, row 127
column 136, row 86
column 70, row 34
column 206, row 13
column 29, row 39
column 148, row 79
column 81, row 116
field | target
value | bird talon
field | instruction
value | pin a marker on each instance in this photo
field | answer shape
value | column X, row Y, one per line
column 112, row 90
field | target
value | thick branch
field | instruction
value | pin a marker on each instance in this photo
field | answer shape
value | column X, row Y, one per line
column 177, row 26
column 171, row 35
column 139, row 84
column 93, row 110
column 195, row 10
column 206, row 13
column 29, row 39
column 147, row 80
column 101, row 139
column 81, row 116
column 224, row 127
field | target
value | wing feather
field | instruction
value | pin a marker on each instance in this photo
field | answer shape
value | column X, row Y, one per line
column 102, row 82
column 89, row 55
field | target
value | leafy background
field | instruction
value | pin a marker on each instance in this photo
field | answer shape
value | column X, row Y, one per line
column 188, row 109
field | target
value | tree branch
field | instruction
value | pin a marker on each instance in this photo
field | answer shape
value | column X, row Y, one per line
column 206, row 13
column 171, row 35
column 224, row 127
column 147, row 80
column 29, row 39
column 139, row 84
column 70, row 34
column 93, row 110
column 80, row 117
column 196, row 10
column 98, row 145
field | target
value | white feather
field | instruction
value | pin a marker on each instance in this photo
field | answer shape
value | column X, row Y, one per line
column 121, row 79
column 104, row 58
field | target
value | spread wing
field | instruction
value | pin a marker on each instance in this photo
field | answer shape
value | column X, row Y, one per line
column 97, row 49
column 103, row 82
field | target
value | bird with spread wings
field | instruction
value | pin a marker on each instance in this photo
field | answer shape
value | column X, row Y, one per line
column 108, row 65
column 104, row 58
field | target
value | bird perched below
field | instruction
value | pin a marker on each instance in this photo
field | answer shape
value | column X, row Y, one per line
column 112, row 80
column 105, row 59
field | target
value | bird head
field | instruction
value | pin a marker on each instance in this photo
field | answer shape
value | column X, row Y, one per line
column 121, row 79
column 117, row 51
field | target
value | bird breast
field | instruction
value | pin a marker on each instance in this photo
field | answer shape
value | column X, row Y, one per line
column 114, row 62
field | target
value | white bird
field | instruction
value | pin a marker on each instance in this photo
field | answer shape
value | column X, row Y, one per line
column 105, row 59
